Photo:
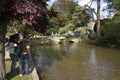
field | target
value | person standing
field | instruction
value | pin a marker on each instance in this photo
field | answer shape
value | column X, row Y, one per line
column 12, row 45
column 24, row 57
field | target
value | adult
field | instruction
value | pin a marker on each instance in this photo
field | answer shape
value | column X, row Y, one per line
column 24, row 57
column 12, row 44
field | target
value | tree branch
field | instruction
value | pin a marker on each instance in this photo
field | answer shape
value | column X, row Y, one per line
column 91, row 9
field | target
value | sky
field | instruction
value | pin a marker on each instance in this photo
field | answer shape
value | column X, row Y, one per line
column 83, row 2
column 51, row 1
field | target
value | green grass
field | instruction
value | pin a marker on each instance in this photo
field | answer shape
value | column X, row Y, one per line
column 14, row 77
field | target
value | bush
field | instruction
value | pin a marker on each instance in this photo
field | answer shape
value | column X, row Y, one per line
column 67, row 27
column 110, row 32
column 92, row 36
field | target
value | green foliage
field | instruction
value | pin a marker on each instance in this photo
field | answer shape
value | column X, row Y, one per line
column 80, row 17
column 67, row 27
column 69, row 16
column 53, row 26
column 30, row 32
column 110, row 28
column 110, row 32
column 64, row 8
column 92, row 36
column 53, row 23
column 14, row 26
column 115, row 4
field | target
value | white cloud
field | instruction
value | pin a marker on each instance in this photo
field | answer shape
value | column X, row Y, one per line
column 83, row 2
column 50, row 2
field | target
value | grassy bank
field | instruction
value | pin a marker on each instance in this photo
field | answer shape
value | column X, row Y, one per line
column 14, row 77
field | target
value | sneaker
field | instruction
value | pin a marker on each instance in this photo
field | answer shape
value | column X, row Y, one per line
column 21, row 75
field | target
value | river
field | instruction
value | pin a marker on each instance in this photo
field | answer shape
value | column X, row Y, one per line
column 76, row 62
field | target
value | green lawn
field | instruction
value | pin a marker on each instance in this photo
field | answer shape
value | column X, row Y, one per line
column 14, row 77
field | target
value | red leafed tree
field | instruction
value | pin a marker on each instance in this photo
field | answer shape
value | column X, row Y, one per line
column 31, row 12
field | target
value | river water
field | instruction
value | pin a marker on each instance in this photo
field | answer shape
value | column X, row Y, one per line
column 76, row 62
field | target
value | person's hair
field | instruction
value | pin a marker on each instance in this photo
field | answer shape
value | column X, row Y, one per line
column 16, row 36
column 13, row 37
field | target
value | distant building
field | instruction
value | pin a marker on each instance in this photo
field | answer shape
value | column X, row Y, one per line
column 91, row 25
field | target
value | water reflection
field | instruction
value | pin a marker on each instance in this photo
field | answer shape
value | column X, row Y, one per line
column 93, row 56
column 77, row 62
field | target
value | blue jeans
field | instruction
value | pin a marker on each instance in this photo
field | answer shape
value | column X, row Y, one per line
column 13, row 64
column 24, row 62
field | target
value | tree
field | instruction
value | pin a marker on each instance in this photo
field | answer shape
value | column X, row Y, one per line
column 4, row 18
column 64, row 6
column 97, row 15
column 81, row 16
column 31, row 13
column 53, row 23
column 64, row 9
column 114, row 6
column 2, row 50
column 112, row 29
column 98, row 18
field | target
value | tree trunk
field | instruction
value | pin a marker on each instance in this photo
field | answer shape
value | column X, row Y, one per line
column 2, row 50
column 98, row 18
